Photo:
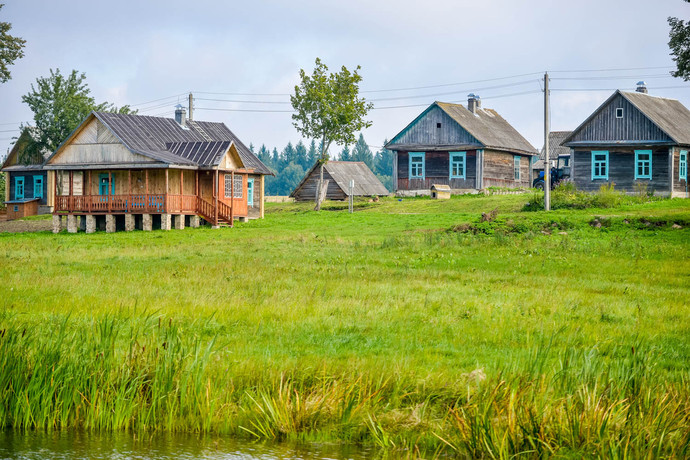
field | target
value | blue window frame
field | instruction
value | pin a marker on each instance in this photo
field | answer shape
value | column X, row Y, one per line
column 600, row 164
column 38, row 186
column 417, row 165
column 457, row 164
column 683, row 165
column 250, row 192
column 103, row 185
column 516, row 167
column 18, row 188
column 643, row 164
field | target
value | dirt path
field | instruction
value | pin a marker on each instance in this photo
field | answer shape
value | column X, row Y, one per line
column 17, row 226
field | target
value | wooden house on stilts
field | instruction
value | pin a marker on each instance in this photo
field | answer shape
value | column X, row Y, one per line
column 131, row 171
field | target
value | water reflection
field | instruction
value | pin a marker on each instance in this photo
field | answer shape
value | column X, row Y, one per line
column 80, row 445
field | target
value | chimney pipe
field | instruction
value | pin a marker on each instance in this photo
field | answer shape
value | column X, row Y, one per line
column 180, row 115
column 641, row 87
column 473, row 102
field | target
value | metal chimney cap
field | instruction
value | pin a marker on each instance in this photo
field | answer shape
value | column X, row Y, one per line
column 473, row 96
column 180, row 107
column 641, row 83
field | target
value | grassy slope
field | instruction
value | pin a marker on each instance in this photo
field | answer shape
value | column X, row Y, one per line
column 386, row 293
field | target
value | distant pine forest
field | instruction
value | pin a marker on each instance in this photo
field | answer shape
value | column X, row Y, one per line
column 292, row 163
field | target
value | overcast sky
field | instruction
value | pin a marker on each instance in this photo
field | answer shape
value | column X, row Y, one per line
column 134, row 52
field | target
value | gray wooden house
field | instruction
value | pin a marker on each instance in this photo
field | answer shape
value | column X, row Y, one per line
column 556, row 150
column 466, row 148
column 633, row 138
column 339, row 174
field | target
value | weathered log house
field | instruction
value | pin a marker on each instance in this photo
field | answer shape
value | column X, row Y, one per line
column 636, row 141
column 466, row 148
column 131, row 171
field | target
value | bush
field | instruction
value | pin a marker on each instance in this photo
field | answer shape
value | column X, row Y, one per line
column 566, row 196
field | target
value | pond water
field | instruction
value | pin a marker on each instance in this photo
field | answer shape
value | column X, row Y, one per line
column 80, row 445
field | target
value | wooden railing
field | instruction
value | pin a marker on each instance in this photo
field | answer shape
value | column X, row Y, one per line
column 205, row 209
column 225, row 212
column 103, row 204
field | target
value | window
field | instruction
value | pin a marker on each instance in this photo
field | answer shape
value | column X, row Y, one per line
column 250, row 192
column 683, row 165
column 18, row 188
column 38, row 186
column 417, row 165
column 643, row 164
column 600, row 164
column 228, row 186
column 16, row 208
column 457, row 165
column 238, row 186
column 103, row 184
column 516, row 167
column 438, row 125
column 619, row 112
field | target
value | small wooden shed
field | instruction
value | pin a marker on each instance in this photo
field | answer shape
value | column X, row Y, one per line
column 17, row 209
column 339, row 174
column 440, row 192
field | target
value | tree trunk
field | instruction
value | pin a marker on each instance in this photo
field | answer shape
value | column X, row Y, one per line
column 319, row 196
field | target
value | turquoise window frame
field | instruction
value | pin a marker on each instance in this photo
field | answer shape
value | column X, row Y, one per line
column 19, row 188
column 683, row 165
column 414, row 156
column 642, row 163
column 100, row 184
column 596, row 162
column 516, row 167
column 457, row 158
column 250, row 192
column 38, row 186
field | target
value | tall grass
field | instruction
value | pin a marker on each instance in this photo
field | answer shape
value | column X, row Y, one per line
column 379, row 328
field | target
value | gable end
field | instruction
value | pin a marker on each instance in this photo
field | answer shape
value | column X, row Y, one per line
column 433, row 127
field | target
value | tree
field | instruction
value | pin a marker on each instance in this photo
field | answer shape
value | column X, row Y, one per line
column 312, row 155
column 60, row 103
column 361, row 152
column 383, row 166
column 680, row 46
column 345, row 154
column 328, row 107
column 301, row 155
column 11, row 49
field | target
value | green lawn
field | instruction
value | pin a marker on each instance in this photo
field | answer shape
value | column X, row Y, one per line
column 384, row 326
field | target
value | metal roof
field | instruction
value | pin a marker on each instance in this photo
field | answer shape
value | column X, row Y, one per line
column 199, row 143
column 488, row 127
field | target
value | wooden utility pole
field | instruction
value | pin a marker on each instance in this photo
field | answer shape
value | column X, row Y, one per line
column 191, row 107
column 547, row 160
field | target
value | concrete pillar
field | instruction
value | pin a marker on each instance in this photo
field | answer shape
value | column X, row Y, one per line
column 57, row 222
column 146, row 222
column 110, row 223
column 72, row 226
column 194, row 221
column 179, row 222
column 166, row 221
column 90, row 224
column 129, row 222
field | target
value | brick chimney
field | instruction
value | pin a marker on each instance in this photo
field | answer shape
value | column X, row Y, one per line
column 473, row 102
column 181, row 115
column 641, row 87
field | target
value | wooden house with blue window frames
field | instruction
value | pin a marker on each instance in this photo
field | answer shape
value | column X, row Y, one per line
column 465, row 148
column 635, row 141
column 26, row 181
column 132, row 171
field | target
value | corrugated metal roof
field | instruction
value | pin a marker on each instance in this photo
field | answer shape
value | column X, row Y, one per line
column 488, row 127
column 163, row 139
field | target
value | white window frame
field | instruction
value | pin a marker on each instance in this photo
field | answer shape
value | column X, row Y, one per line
column 239, row 187
column 228, row 186
column 643, row 163
column 683, row 165
column 414, row 157
column 457, row 159
column 619, row 110
column 604, row 162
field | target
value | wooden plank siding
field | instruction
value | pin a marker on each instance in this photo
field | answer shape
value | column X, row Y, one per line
column 307, row 192
column 426, row 131
column 621, row 170
column 28, row 184
column 499, row 170
column 680, row 185
column 437, row 171
column 634, row 126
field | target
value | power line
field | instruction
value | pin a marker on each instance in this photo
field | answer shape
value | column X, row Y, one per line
column 615, row 77
column 611, row 70
column 614, row 89
column 157, row 100
column 451, row 84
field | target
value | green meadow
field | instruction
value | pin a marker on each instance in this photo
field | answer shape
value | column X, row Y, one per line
column 411, row 325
